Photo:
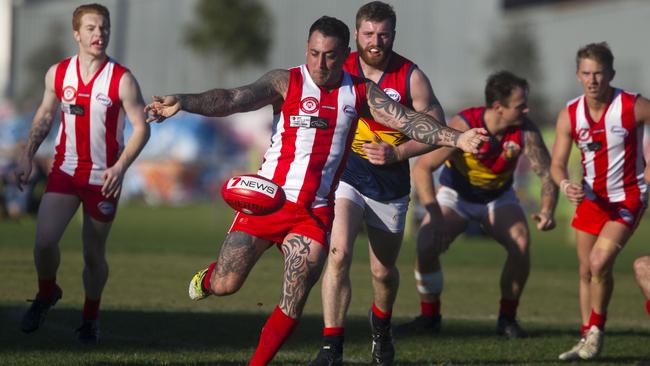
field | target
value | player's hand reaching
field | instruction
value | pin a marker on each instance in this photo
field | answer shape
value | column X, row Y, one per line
column 380, row 152
column 471, row 140
column 162, row 107
column 113, row 177
column 545, row 221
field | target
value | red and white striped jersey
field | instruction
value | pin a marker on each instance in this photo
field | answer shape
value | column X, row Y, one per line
column 91, row 135
column 311, row 137
column 612, row 148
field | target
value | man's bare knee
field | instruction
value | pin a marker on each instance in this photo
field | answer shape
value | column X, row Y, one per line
column 225, row 286
column 385, row 274
column 642, row 268
column 339, row 261
column 585, row 273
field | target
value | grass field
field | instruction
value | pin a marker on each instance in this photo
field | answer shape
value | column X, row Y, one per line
column 147, row 318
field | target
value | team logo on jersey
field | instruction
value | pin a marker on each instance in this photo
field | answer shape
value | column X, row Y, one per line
column 584, row 134
column 619, row 131
column 104, row 100
column 393, row 94
column 626, row 215
column 309, row 105
column 511, row 150
column 105, row 207
column 69, row 93
column 349, row 111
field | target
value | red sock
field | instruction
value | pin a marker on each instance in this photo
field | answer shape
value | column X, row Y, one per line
column 46, row 288
column 384, row 315
column 208, row 275
column 647, row 306
column 276, row 330
column 91, row 309
column 583, row 330
column 508, row 308
column 597, row 320
column 430, row 308
column 333, row 331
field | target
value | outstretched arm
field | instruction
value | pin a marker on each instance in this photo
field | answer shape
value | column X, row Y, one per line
column 419, row 126
column 268, row 89
column 41, row 126
column 540, row 161
column 133, row 105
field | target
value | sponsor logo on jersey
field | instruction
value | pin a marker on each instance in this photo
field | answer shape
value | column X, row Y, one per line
column 76, row 109
column 619, row 131
column 69, row 93
column 350, row 111
column 104, row 100
column 105, row 207
column 309, row 105
column 393, row 94
column 626, row 215
column 308, row 122
column 254, row 184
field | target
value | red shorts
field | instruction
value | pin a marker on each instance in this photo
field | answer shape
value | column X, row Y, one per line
column 95, row 204
column 591, row 216
column 314, row 223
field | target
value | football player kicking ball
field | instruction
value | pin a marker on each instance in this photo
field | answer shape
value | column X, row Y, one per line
column 606, row 125
column 479, row 187
column 316, row 108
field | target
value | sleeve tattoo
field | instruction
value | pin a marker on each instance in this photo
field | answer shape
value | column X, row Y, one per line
column 540, row 161
column 223, row 102
column 418, row 126
column 39, row 131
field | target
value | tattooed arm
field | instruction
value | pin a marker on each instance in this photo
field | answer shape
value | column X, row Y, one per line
column 419, row 126
column 540, row 162
column 424, row 101
column 271, row 88
column 41, row 126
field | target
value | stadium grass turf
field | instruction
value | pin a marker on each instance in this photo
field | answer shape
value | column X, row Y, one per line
column 147, row 318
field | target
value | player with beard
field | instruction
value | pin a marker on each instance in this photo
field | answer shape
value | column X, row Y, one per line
column 316, row 107
column 374, row 188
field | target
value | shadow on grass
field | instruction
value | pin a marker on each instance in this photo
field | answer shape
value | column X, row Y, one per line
column 132, row 332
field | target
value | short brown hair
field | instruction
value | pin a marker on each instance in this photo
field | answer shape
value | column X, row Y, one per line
column 376, row 11
column 86, row 9
column 599, row 52
column 500, row 85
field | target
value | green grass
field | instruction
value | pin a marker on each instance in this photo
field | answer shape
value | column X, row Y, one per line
column 147, row 318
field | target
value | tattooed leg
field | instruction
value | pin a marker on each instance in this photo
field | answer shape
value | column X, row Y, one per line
column 239, row 253
column 303, row 263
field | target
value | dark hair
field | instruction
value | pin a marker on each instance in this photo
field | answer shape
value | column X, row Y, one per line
column 598, row 52
column 86, row 9
column 331, row 27
column 376, row 11
column 500, row 85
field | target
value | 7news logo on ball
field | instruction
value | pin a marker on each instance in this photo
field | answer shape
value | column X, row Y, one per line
column 253, row 194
